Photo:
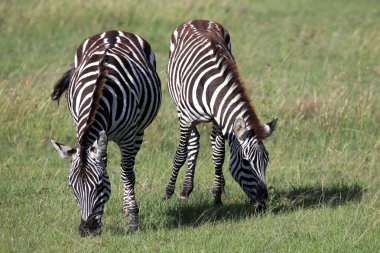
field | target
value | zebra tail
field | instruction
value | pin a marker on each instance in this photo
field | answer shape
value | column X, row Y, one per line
column 61, row 85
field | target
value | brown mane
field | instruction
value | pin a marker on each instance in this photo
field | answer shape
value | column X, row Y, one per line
column 83, row 142
column 228, row 61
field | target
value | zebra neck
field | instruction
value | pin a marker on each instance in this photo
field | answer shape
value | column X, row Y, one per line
column 233, row 107
column 88, row 138
column 234, row 110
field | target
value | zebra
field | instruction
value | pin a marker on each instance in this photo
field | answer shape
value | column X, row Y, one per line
column 204, row 83
column 113, row 94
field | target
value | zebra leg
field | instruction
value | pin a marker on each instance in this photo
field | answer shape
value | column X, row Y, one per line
column 128, row 153
column 218, row 154
column 193, row 150
column 179, row 160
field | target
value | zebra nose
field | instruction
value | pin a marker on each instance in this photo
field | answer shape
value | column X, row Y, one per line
column 262, row 196
column 262, row 193
column 89, row 227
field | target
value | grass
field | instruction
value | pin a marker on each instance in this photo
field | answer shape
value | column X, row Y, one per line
column 313, row 64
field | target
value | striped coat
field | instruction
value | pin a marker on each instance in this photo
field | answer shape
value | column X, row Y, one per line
column 204, row 83
column 113, row 93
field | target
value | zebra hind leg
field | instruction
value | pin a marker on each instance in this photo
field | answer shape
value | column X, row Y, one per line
column 193, row 150
column 218, row 155
column 179, row 160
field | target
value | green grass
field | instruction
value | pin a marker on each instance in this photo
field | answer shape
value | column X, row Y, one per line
column 314, row 64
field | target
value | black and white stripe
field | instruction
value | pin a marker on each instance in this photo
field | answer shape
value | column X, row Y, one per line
column 113, row 93
column 204, row 83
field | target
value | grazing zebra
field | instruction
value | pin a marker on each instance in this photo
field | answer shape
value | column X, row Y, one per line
column 113, row 93
column 204, row 83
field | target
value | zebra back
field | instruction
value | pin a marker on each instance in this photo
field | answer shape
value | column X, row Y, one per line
column 192, row 44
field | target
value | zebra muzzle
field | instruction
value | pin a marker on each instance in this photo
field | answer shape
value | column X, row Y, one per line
column 262, row 194
column 262, row 197
column 90, row 227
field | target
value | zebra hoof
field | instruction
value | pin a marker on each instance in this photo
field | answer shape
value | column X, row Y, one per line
column 132, row 229
column 184, row 196
column 167, row 197
column 186, row 191
column 218, row 202
column 169, row 192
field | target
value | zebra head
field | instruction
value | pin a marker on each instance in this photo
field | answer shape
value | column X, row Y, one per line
column 249, row 161
column 89, row 181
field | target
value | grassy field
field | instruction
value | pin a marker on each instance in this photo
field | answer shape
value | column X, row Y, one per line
column 314, row 64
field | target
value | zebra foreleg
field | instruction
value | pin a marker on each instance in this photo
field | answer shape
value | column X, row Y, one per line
column 218, row 155
column 179, row 160
column 128, row 176
column 192, row 154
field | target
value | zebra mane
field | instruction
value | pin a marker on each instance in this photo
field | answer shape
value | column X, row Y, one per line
column 231, row 67
column 83, row 142
column 62, row 84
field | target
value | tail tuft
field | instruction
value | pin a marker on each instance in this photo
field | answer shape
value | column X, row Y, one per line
column 61, row 85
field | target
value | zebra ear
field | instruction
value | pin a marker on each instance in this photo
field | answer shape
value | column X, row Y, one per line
column 64, row 152
column 239, row 128
column 271, row 126
column 101, row 145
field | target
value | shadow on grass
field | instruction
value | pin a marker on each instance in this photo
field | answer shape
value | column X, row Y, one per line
column 314, row 197
column 281, row 201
